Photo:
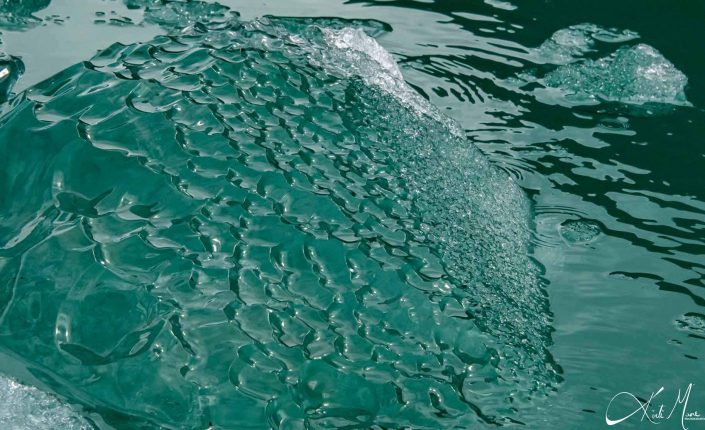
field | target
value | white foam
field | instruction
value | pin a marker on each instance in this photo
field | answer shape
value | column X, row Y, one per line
column 26, row 408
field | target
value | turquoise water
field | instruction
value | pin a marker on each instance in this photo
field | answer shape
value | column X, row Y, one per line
column 403, row 215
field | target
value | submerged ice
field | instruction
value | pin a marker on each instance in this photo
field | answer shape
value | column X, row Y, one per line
column 258, row 225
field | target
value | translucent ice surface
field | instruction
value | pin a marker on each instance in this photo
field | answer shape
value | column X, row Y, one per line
column 254, row 225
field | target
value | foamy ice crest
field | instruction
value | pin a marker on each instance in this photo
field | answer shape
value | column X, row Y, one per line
column 26, row 408
column 354, row 53
column 357, row 40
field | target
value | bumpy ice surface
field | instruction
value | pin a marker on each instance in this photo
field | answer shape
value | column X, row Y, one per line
column 257, row 225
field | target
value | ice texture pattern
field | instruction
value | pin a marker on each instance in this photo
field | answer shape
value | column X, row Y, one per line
column 255, row 225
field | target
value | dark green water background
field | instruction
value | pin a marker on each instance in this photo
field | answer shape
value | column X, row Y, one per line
column 626, row 302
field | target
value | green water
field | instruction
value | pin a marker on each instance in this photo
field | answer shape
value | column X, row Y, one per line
column 273, row 223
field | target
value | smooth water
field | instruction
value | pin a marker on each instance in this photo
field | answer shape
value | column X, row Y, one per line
column 242, row 222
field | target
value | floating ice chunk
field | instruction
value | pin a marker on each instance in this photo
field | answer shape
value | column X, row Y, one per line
column 580, row 231
column 693, row 323
column 23, row 407
column 570, row 44
column 634, row 75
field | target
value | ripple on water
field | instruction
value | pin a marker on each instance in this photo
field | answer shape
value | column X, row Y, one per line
column 575, row 42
